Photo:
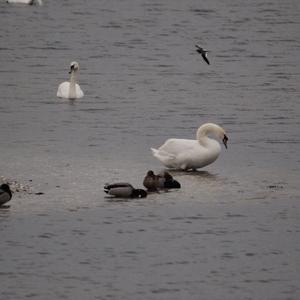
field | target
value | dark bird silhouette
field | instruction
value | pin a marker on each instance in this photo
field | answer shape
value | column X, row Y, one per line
column 163, row 180
column 5, row 193
column 124, row 190
column 203, row 53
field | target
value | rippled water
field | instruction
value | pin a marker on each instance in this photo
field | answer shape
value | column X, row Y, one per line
column 232, row 231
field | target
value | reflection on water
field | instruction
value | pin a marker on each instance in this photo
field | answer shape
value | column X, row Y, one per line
column 230, row 230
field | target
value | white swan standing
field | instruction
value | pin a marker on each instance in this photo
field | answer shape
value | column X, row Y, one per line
column 70, row 89
column 188, row 154
column 29, row 2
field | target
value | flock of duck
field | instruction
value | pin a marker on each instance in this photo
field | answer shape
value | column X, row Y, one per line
column 182, row 154
column 152, row 182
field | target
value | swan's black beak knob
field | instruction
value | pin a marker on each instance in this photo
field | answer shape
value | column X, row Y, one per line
column 71, row 69
column 225, row 139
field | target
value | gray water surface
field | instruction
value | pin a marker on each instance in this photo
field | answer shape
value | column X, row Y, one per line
column 231, row 231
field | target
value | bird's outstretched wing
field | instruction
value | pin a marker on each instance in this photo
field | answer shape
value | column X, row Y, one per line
column 203, row 53
column 204, row 56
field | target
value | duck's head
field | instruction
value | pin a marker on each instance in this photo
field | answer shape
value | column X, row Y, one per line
column 5, row 187
column 74, row 66
column 150, row 173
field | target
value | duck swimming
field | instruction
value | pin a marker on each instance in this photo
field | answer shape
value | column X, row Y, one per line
column 186, row 154
column 124, row 190
column 71, row 89
column 161, row 181
column 5, row 194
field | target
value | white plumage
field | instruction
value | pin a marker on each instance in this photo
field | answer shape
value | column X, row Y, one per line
column 188, row 154
column 71, row 89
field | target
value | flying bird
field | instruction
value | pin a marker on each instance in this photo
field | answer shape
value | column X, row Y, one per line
column 203, row 53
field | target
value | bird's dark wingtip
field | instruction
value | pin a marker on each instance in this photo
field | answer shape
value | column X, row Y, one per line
column 205, row 59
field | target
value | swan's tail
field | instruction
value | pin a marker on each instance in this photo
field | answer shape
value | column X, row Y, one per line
column 154, row 152
column 166, row 158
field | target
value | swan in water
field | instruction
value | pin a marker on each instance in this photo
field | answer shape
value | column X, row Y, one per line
column 71, row 90
column 188, row 154
column 29, row 2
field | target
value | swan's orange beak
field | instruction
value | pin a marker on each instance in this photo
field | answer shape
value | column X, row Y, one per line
column 225, row 139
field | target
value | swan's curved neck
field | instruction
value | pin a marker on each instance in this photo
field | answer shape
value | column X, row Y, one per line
column 206, row 129
column 72, row 88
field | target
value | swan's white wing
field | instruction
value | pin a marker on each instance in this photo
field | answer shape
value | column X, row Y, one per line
column 162, row 154
column 174, row 153
column 63, row 90
column 164, row 157
column 177, row 146
column 187, row 154
column 79, row 92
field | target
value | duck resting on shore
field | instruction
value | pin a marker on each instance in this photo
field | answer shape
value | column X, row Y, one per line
column 5, row 194
column 124, row 190
column 163, row 180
